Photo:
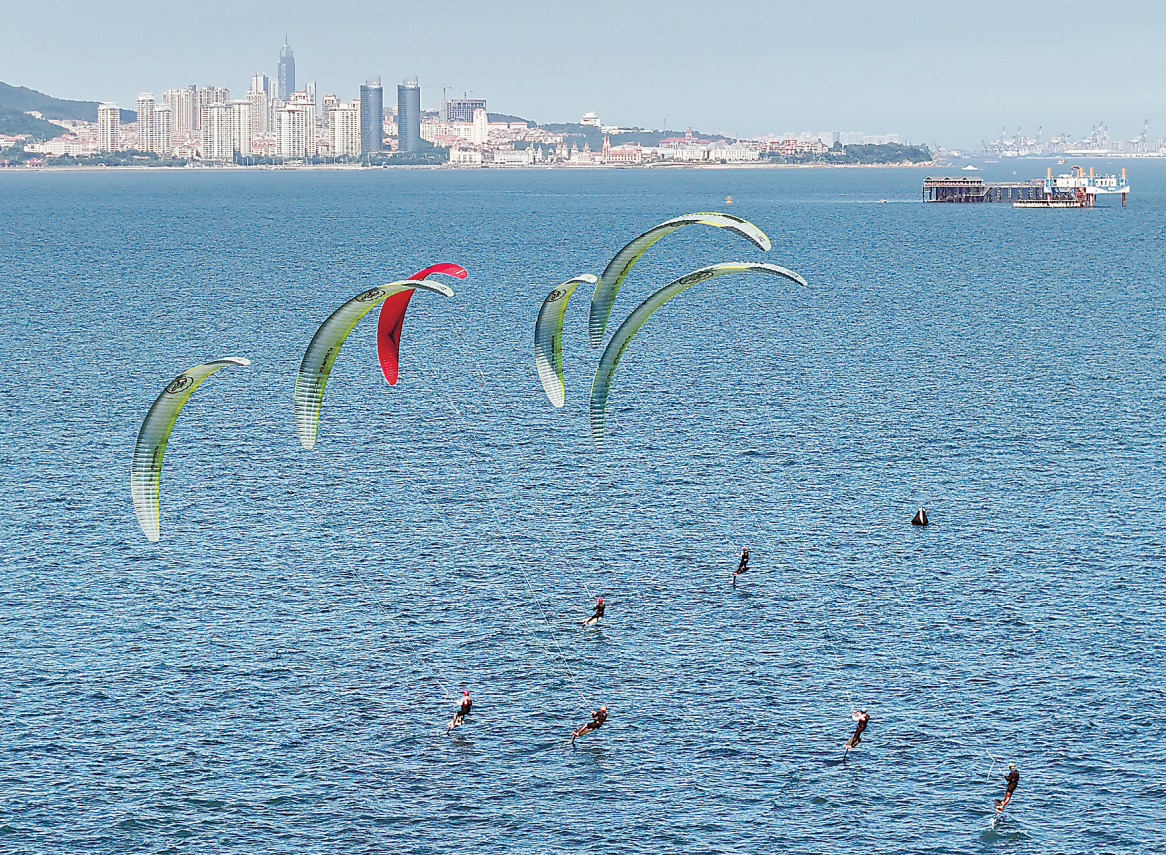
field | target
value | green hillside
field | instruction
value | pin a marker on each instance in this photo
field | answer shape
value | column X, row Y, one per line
column 20, row 99
column 15, row 123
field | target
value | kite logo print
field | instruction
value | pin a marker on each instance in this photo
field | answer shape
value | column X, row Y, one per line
column 554, row 295
column 369, row 296
column 179, row 384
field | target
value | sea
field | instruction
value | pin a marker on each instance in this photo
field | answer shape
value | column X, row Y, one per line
column 277, row 673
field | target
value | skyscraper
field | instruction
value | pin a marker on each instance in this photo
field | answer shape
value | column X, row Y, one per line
column 145, row 121
column 108, row 127
column 372, row 112
column 287, row 72
column 409, row 115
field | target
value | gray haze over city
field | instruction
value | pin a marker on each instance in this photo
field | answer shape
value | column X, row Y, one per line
column 927, row 72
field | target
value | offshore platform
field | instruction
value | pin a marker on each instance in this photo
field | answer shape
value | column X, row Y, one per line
column 1069, row 190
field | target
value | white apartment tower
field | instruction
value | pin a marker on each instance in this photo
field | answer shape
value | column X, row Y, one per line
column 240, row 129
column 205, row 96
column 480, row 132
column 182, row 113
column 145, row 121
column 162, row 132
column 344, row 129
column 216, row 132
column 108, row 127
column 295, row 127
column 260, row 109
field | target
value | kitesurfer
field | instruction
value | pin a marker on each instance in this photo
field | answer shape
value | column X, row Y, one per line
column 598, row 717
column 863, row 719
column 595, row 618
column 1013, row 779
column 463, row 710
column 743, row 566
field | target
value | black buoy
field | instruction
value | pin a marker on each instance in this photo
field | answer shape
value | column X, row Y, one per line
column 920, row 518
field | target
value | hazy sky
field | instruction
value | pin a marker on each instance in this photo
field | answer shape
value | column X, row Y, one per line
column 930, row 71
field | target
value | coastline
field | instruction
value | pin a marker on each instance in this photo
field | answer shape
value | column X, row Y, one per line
column 353, row 167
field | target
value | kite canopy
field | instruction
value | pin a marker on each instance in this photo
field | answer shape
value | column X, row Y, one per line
column 605, row 372
column 392, row 316
column 325, row 347
column 619, row 267
column 146, row 468
column 548, row 337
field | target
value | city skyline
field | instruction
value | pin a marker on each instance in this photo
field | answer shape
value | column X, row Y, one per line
column 931, row 74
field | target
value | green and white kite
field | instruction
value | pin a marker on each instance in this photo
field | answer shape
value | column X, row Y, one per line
column 146, row 468
column 605, row 372
column 619, row 267
column 325, row 347
column 548, row 337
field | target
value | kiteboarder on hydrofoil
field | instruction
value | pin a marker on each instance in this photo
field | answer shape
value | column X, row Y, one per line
column 862, row 718
column 743, row 567
column 598, row 614
column 1013, row 778
column 598, row 717
column 463, row 710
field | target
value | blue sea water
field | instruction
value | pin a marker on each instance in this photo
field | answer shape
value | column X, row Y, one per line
column 276, row 674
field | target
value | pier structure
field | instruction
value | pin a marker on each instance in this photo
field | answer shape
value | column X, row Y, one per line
column 1068, row 190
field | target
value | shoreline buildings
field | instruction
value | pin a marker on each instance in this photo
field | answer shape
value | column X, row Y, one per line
column 275, row 121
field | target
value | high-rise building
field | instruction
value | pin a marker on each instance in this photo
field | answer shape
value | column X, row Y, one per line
column 329, row 102
column 260, row 110
column 204, row 97
column 480, row 130
column 344, row 137
column 145, row 121
column 181, row 104
column 216, row 132
column 260, row 82
column 162, row 132
column 409, row 115
column 239, row 127
column 295, row 127
column 108, row 127
column 462, row 109
column 287, row 72
column 372, row 113
column 310, row 89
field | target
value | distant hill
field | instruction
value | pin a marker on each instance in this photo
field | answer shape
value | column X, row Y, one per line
column 20, row 99
column 506, row 117
column 14, row 123
column 593, row 136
